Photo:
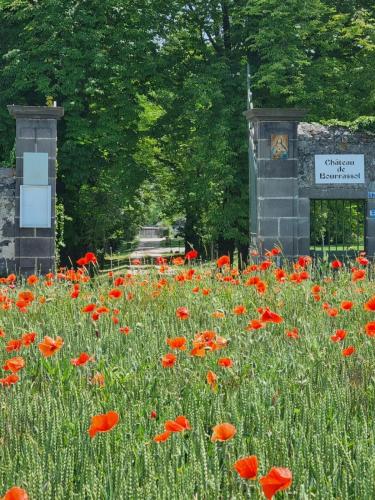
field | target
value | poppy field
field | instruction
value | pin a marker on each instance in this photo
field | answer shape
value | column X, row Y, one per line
column 189, row 381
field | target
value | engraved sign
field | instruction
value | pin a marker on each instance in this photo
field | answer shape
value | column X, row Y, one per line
column 339, row 169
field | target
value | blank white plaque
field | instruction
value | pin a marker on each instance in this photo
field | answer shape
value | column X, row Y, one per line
column 35, row 169
column 35, row 206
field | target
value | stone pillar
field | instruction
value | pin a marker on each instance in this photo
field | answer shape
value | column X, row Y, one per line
column 277, row 218
column 36, row 132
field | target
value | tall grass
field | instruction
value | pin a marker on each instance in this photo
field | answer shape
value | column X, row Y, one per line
column 296, row 403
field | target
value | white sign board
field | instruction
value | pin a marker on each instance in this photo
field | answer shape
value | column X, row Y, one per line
column 339, row 169
column 35, row 206
column 35, row 169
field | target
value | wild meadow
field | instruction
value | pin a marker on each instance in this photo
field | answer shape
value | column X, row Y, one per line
column 156, row 383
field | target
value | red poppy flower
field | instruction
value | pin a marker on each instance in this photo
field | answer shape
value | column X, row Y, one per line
column 223, row 432
column 81, row 360
column 9, row 380
column 346, row 305
column 332, row 312
column 82, row 262
column 362, row 260
column 102, row 310
column 198, row 351
column 125, row 329
column 182, row 312
column 180, row 424
column 247, row 467
column 265, row 265
column 304, row 261
column 32, row 279
column 293, row 334
column 280, row 275
column 339, row 336
column 16, row 493
column 177, row 343
column 211, row 379
column 89, row 308
column 28, row 338
column 370, row 328
column 278, row 479
column 115, row 293
column 90, row 257
column 13, row 345
column 224, row 260
column 255, row 324
column 178, row 261
column 153, row 414
column 49, row 346
column 136, row 262
column 336, row 264
column 261, row 287
column 358, row 274
column 14, row 364
column 348, row 351
column 270, row 317
column 239, row 310
column 103, row 423
column 370, row 305
column 168, row 360
column 253, row 280
column 225, row 362
column 192, row 254
column 160, row 438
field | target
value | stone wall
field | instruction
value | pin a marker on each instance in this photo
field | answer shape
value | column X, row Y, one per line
column 282, row 177
column 313, row 139
column 7, row 218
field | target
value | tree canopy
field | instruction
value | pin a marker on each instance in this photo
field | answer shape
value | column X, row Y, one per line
column 154, row 91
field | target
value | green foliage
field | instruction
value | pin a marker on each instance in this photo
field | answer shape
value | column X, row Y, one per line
column 92, row 65
column 320, row 57
column 360, row 124
column 61, row 218
column 153, row 94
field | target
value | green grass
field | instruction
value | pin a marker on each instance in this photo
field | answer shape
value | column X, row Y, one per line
column 295, row 403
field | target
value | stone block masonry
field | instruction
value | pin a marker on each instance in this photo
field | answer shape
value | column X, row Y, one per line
column 277, row 221
column 282, row 178
column 36, row 132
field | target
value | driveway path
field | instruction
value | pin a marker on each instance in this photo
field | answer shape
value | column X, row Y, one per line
column 152, row 247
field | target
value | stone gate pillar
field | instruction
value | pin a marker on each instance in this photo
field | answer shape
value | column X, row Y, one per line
column 275, row 206
column 36, row 132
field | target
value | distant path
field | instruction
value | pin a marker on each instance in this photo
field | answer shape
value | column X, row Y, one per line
column 152, row 247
